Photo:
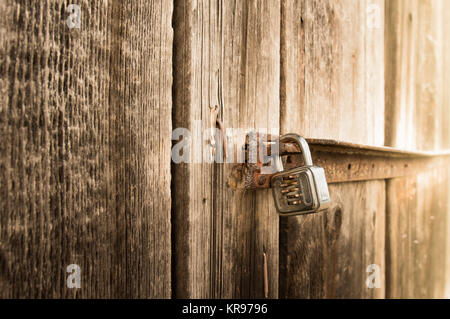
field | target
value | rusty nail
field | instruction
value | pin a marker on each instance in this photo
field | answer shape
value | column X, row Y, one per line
column 224, row 138
column 262, row 179
column 266, row 278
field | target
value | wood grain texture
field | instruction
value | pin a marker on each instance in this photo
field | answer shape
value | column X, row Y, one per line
column 326, row 255
column 417, row 101
column 417, row 218
column 418, row 106
column 221, row 235
column 332, row 71
column 85, row 149
column 332, row 86
column 445, row 127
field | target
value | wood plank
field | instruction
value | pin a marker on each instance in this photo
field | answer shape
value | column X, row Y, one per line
column 417, row 219
column 332, row 88
column 445, row 127
column 346, row 162
column 221, row 235
column 85, row 149
column 446, row 130
column 327, row 254
column 417, row 102
column 417, row 105
column 335, row 78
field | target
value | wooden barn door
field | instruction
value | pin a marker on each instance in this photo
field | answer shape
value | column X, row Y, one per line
column 332, row 86
column 336, row 78
column 418, row 106
column 87, row 114
column 310, row 67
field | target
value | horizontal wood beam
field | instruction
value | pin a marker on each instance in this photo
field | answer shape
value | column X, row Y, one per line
column 348, row 162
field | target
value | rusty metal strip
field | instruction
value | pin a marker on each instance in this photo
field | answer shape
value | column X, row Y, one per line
column 347, row 162
column 334, row 146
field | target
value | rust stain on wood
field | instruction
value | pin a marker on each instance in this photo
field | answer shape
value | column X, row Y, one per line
column 266, row 278
column 342, row 161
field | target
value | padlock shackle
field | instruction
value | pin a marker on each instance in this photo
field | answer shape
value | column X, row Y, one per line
column 301, row 142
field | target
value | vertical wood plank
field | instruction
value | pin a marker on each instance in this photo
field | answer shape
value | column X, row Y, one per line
column 446, row 133
column 399, row 55
column 221, row 235
column 85, row 148
column 327, row 255
column 332, row 86
column 447, row 236
column 328, row 76
column 417, row 103
column 445, row 127
column 417, row 217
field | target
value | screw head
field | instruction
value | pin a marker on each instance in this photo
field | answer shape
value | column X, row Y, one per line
column 262, row 180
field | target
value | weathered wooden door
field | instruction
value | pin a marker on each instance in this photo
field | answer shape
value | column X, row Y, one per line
column 92, row 91
column 333, row 85
column 337, row 78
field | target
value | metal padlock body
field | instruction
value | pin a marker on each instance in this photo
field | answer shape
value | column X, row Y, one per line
column 301, row 190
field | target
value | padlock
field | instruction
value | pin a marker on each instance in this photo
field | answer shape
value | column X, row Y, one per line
column 300, row 190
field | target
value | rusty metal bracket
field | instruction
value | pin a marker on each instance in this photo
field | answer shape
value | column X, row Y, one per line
column 344, row 162
column 259, row 169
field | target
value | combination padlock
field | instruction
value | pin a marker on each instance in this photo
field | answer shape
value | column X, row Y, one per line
column 301, row 190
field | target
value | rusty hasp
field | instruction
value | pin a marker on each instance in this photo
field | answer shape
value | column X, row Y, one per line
column 343, row 162
column 261, row 152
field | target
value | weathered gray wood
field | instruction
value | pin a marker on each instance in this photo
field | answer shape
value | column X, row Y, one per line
column 326, row 255
column 332, row 71
column 332, row 87
column 85, row 148
column 221, row 235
